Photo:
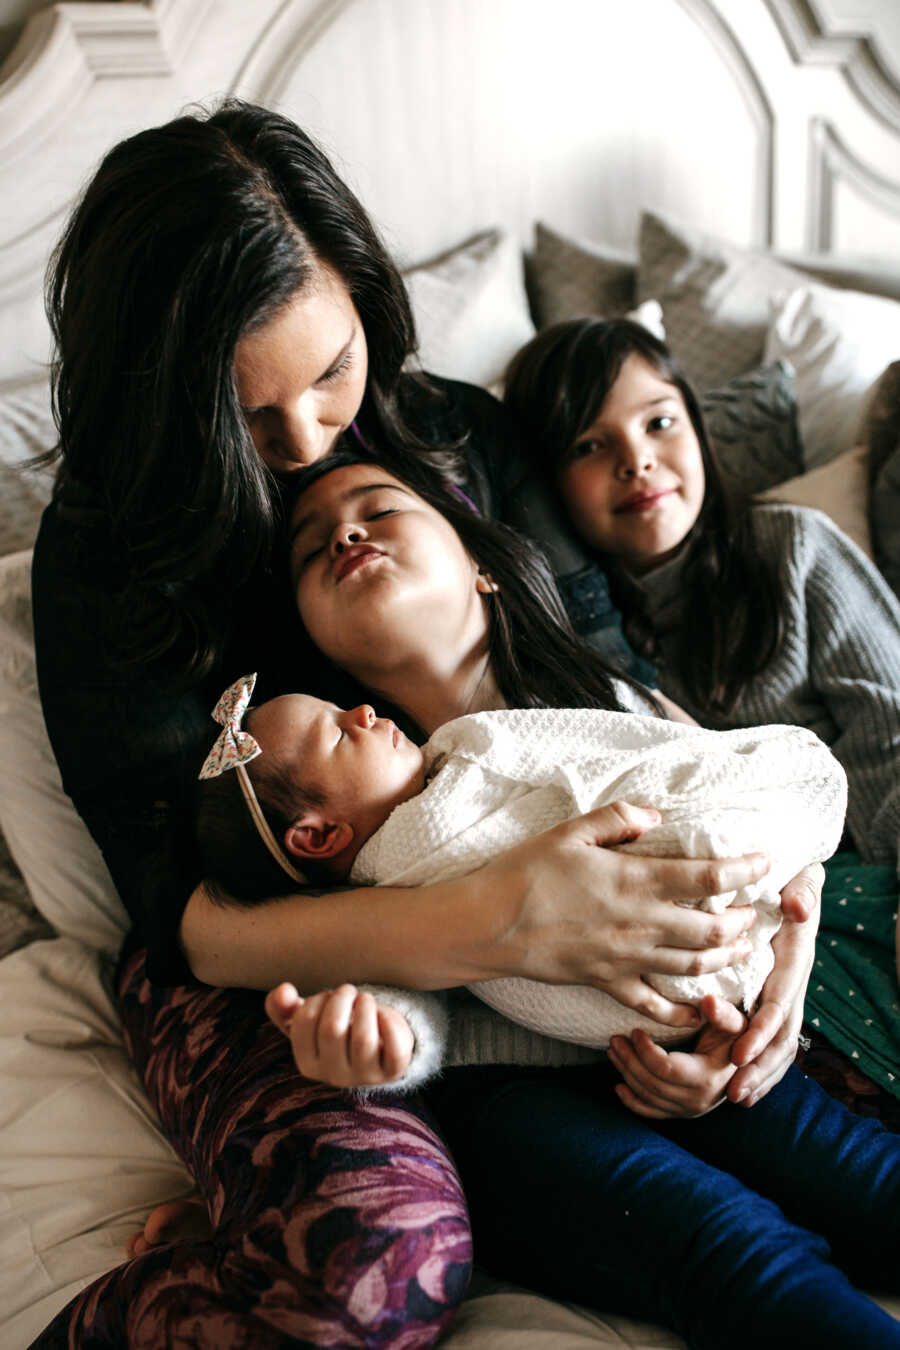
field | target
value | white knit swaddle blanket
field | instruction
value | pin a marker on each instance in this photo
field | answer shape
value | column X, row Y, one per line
column 501, row 777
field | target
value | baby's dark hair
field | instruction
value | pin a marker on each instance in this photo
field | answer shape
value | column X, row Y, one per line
column 234, row 860
column 556, row 386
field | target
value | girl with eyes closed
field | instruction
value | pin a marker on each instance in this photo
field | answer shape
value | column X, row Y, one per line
column 225, row 314
column 639, row 1198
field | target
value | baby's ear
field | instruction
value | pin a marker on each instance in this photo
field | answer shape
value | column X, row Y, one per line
column 317, row 839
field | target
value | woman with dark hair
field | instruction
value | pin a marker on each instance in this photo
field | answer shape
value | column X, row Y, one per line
column 224, row 313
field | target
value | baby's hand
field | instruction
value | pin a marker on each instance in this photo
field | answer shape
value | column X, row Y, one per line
column 343, row 1036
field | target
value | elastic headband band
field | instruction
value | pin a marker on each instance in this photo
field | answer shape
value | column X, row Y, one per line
column 234, row 749
column 263, row 828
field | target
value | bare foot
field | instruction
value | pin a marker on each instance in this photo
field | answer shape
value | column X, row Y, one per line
column 172, row 1222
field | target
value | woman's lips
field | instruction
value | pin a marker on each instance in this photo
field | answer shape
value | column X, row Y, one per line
column 644, row 501
column 354, row 559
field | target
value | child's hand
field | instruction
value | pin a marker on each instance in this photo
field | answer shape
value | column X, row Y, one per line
column 174, row 1221
column 669, row 1084
column 343, row 1036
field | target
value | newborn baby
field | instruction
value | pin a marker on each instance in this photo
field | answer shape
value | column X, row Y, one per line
column 372, row 806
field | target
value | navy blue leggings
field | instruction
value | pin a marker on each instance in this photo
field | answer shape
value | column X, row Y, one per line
column 742, row 1228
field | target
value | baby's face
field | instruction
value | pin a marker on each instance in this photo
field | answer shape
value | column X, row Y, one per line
column 364, row 764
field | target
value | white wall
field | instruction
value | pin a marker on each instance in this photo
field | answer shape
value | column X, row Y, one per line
column 881, row 17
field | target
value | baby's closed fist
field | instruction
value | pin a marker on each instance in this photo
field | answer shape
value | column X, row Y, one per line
column 343, row 1036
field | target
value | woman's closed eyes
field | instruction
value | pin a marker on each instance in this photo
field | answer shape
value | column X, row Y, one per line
column 342, row 365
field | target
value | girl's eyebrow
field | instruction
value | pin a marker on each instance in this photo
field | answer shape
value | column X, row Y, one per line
column 350, row 495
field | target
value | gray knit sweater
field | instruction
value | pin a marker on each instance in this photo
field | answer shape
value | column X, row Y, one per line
column 838, row 671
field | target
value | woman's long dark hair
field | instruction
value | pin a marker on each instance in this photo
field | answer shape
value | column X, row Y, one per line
column 189, row 236
column 556, row 386
column 537, row 658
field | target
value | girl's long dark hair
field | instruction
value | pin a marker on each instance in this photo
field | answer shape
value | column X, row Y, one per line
column 556, row 386
column 537, row 658
column 189, row 236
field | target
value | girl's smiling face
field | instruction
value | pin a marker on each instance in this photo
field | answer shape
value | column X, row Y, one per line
column 633, row 483
column 379, row 573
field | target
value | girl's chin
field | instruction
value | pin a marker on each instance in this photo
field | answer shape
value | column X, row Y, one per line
column 647, row 559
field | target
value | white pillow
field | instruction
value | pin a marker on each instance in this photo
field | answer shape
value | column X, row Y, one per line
column 840, row 488
column 82, row 1159
column 838, row 343
column 471, row 309
column 62, row 866
column 649, row 314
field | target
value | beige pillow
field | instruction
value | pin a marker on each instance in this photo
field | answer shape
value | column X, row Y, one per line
column 26, row 429
column 62, row 866
column 571, row 278
column 471, row 309
column 839, row 488
column 715, row 298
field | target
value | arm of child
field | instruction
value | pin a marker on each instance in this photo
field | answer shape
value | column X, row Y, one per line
column 372, row 1039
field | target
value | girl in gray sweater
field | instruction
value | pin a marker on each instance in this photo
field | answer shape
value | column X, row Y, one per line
column 752, row 614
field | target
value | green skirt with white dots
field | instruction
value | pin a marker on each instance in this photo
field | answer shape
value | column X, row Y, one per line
column 853, row 996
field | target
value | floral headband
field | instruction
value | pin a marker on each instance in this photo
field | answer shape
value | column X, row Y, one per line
column 234, row 749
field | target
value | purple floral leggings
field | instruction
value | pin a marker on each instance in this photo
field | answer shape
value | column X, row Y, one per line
column 336, row 1223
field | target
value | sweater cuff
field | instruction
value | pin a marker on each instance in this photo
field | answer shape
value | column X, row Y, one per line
column 426, row 1014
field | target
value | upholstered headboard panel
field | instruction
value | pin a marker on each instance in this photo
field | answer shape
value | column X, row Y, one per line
column 753, row 119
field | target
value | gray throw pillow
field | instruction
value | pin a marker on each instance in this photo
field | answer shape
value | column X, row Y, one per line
column 881, row 433
column 570, row 279
column 715, row 297
column 752, row 421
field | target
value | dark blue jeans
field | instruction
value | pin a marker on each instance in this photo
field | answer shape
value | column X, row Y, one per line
column 742, row 1228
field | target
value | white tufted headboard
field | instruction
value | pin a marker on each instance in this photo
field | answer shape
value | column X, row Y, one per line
column 752, row 119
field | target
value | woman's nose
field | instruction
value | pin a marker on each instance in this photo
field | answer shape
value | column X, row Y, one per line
column 301, row 437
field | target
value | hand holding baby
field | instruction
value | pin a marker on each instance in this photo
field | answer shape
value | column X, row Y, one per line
column 343, row 1036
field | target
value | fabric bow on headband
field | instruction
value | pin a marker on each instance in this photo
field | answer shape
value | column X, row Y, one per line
column 234, row 749
column 234, row 746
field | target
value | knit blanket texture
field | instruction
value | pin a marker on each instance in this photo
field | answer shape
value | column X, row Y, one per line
column 498, row 778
